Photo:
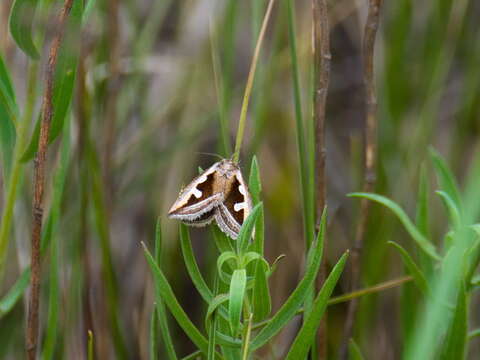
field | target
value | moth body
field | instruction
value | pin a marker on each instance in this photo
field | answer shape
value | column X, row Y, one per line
column 219, row 194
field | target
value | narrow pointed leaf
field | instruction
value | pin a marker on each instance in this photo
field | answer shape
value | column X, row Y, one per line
column 305, row 337
column 164, row 292
column 456, row 339
column 21, row 19
column 238, row 286
column 255, row 186
column 261, row 302
column 354, row 351
column 416, row 235
column 446, row 179
column 413, row 269
column 288, row 310
column 452, row 209
column 247, row 229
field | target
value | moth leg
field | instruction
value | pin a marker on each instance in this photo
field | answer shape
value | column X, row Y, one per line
column 226, row 222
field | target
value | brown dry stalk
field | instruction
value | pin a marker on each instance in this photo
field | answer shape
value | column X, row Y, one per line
column 370, row 33
column 321, row 58
column 39, row 182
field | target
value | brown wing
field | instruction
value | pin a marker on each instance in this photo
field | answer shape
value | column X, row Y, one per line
column 197, row 198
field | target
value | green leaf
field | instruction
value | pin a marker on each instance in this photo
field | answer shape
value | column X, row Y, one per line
column 288, row 310
column 214, row 305
column 423, row 219
column 413, row 269
column 247, row 229
column 22, row 17
column 222, row 241
column 354, row 351
column 453, row 212
column 456, row 339
column 64, row 79
column 421, row 240
column 261, row 300
column 255, row 185
column 238, row 286
column 305, row 337
column 15, row 293
column 222, row 259
column 8, row 116
column 446, row 179
column 161, row 316
column 164, row 292
column 192, row 266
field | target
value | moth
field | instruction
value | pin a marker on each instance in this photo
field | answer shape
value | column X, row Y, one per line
column 219, row 194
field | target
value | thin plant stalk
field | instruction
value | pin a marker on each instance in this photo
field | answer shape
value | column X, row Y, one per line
column 371, row 126
column 248, row 89
column 321, row 63
column 39, row 183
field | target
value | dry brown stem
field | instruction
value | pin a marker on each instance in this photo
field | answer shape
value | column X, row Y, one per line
column 321, row 58
column 39, row 183
column 370, row 33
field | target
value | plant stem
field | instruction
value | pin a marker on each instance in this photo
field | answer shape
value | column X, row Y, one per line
column 39, row 182
column 249, row 86
column 246, row 341
column 369, row 37
column 17, row 170
column 321, row 70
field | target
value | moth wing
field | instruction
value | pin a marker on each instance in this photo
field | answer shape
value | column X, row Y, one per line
column 197, row 198
column 235, row 208
column 203, row 220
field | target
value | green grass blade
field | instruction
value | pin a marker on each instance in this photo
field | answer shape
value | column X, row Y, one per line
column 64, row 79
column 161, row 316
column 247, row 229
column 421, row 240
column 446, row 179
column 308, row 211
column 413, row 269
column 8, row 116
column 288, row 310
column 238, row 286
column 305, row 337
column 456, row 339
column 21, row 21
column 9, row 300
column 354, row 351
column 192, row 266
column 452, row 209
column 422, row 220
column 164, row 292
column 261, row 300
column 255, row 186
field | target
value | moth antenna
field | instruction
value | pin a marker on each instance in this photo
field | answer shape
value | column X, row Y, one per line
column 211, row 154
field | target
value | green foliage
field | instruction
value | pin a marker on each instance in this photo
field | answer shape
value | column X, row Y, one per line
column 21, row 23
column 8, row 118
column 64, row 79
